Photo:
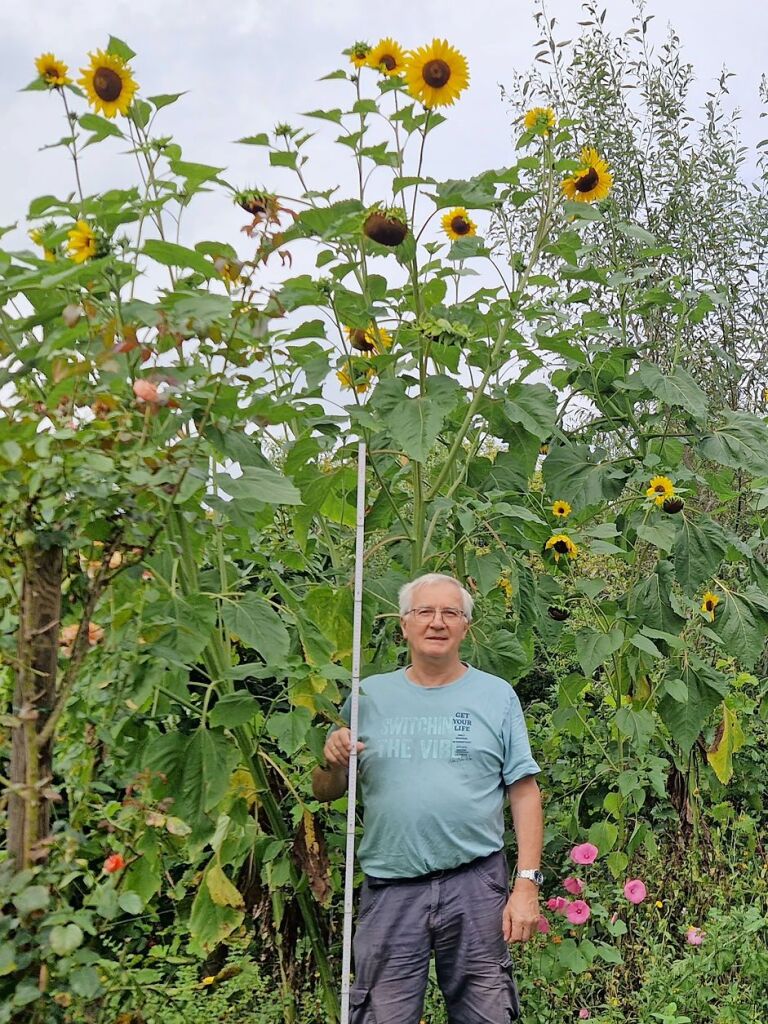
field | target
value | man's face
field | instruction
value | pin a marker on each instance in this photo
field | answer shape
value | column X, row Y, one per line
column 434, row 637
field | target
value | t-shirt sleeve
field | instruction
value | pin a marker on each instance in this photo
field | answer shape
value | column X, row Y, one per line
column 518, row 760
column 345, row 713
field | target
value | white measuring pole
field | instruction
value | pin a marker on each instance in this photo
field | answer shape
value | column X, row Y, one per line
column 346, row 961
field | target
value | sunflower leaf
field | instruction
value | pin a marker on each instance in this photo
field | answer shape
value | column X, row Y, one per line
column 698, row 550
column 120, row 49
column 741, row 442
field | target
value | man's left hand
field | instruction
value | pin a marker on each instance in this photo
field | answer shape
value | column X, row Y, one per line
column 521, row 914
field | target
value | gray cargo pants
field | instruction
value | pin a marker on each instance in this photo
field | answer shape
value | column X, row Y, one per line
column 458, row 914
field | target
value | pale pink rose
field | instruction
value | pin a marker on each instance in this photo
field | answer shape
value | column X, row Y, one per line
column 557, row 904
column 543, row 924
column 573, row 885
column 585, row 853
column 578, row 912
column 635, row 890
column 146, row 391
column 694, row 936
column 584, row 1013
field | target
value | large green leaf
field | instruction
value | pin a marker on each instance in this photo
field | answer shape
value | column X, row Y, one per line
column 741, row 442
column 290, row 729
column 415, row 420
column 705, row 690
column 258, row 486
column 676, row 389
column 594, row 648
column 209, row 758
column 259, row 626
column 581, row 476
column 698, row 550
column 742, row 624
column 533, row 406
column 649, row 601
column 172, row 255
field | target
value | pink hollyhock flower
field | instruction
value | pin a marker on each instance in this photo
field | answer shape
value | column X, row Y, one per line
column 573, row 885
column 543, row 925
column 585, row 853
column 694, row 936
column 584, row 1013
column 578, row 912
column 635, row 890
column 146, row 391
column 558, row 904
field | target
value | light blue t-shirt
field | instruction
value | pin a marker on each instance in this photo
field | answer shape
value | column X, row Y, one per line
column 435, row 768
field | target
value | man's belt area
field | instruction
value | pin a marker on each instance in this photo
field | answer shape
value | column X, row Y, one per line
column 375, row 882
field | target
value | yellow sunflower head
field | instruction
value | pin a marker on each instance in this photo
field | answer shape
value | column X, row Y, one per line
column 37, row 235
column 81, row 242
column 356, row 377
column 660, row 489
column 358, row 53
column 561, row 509
column 592, row 181
column 52, row 71
column 708, row 605
column 436, row 74
column 372, row 339
column 388, row 57
column 457, row 224
column 539, row 119
column 109, row 83
column 561, row 544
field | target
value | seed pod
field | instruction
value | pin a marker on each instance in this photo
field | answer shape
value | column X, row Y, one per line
column 673, row 505
column 385, row 230
column 558, row 614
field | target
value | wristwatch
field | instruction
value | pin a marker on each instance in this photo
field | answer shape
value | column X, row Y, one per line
column 533, row 874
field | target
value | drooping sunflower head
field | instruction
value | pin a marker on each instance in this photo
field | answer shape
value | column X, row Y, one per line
column 354, row 375
column 358, row 53
column 660, row 489
column 592, row 181
column 436, row 74
column 82, row 242
column 386, row 226
column 561, row 509
column 388, row 57
column 109, row 83
column 369, row 340
column 457, row 224
column 52, row 71
column 561, row 544
column 708, row 604
column 539, row 119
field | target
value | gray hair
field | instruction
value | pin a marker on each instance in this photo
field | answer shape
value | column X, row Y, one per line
column 409, row 589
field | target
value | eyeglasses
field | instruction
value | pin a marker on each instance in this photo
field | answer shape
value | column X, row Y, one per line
column 450, row 616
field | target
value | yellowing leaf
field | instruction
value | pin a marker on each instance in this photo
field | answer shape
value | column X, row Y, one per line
column 729, row 738
column 222, row 891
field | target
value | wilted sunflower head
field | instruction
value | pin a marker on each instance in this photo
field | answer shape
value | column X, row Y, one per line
column 52, row 71
column 539, row 119
column 109, row 83
column 708, row 604
column 386, row 226
column 458, row 224
column 369, row 340
column 82, row 242
column 561, row 544
column 436, row 74
column 592, row 181
column 358, row 53
column 661, row 488
column 388, row 57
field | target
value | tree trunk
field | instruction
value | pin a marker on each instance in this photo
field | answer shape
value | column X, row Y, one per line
column 33, row 699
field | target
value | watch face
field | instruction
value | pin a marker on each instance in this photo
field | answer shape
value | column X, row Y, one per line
column 538, row 877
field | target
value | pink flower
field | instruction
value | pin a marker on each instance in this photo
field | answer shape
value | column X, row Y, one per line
column 543, row 925
column 558, row 904
column 584, row 1013
column 573, row 885
column 694, row 936
column 586, row 853
column 146, row 391
column 635, row 890
column 614, row 918
column 578, row 912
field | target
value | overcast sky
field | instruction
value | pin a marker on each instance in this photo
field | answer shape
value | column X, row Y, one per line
column 252, row 63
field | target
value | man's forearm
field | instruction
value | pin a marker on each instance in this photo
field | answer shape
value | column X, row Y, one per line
column 528, row 820
column 329, row 783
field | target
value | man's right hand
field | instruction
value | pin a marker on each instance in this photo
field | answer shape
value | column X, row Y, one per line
column 338, row 748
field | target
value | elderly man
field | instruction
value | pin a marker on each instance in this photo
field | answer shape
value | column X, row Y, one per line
column 440, row 743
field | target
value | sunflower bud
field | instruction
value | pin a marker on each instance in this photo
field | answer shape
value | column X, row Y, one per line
column 558, row 614
column 673, row 505
column 385, row 229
